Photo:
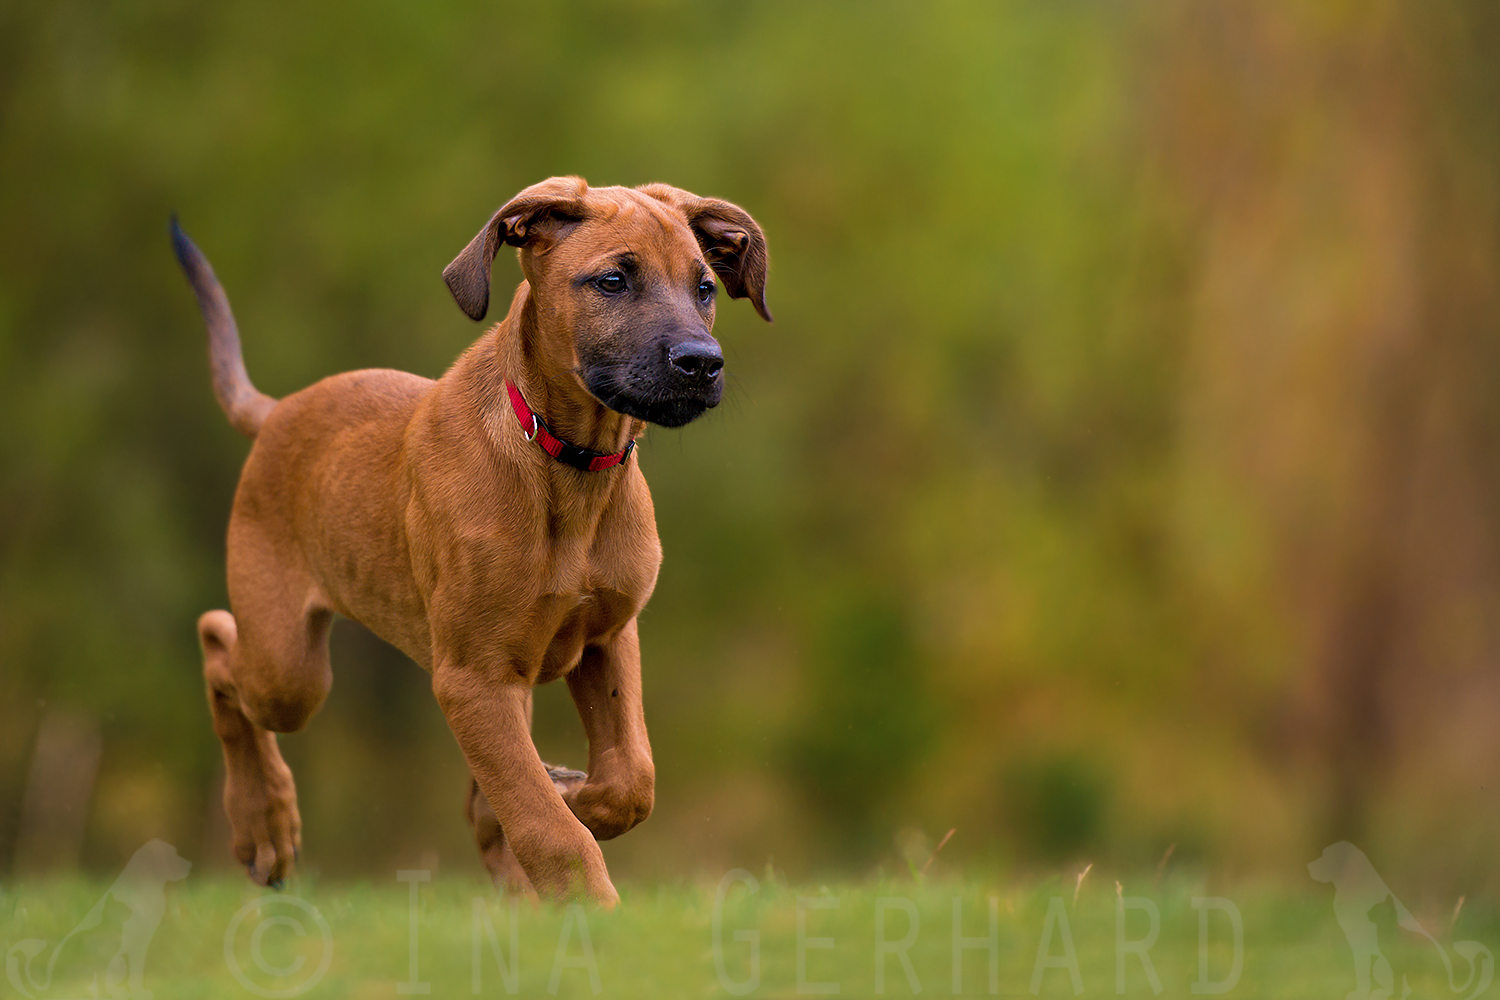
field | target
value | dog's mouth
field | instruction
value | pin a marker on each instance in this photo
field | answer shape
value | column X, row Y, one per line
column 658, row 388
column 648, row 402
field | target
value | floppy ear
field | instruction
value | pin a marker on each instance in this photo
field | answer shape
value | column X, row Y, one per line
column 731, row 240
column 542, row 210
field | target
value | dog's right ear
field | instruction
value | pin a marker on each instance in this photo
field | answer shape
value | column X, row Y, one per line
column 542, row 212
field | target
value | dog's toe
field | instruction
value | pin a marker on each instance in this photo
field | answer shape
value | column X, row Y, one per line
column 564, row 778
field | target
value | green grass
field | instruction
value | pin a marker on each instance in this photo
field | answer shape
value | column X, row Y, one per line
column 660, row 943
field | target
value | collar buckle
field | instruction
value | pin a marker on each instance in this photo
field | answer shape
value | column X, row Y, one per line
column 532, row 429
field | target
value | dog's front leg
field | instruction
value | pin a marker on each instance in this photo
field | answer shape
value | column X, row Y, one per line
column 621, row 783
column 489, row 717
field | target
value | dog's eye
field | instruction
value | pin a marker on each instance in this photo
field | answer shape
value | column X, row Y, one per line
column 706, row 291
column 612, row 283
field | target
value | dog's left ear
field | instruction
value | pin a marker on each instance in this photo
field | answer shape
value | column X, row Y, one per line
column 542, row 211
column 731, row 240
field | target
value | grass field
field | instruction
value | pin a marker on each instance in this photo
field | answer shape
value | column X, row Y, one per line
column 747, row 935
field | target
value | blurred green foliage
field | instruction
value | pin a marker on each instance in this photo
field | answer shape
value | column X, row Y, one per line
column 1119, row 471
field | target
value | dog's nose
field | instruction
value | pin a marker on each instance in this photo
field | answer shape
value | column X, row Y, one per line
column 700, row 360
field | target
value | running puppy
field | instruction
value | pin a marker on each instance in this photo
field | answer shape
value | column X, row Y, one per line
column 491, row 524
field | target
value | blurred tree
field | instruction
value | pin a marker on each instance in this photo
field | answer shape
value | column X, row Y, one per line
column 1340, row 167
column 866, row 721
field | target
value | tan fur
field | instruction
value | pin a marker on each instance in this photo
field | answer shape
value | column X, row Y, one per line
column 420, row 509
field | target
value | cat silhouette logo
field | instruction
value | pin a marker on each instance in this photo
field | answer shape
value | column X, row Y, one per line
column 141, row 890
column 1358, row 889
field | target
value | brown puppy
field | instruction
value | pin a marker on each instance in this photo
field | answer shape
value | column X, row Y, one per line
column 497, row 549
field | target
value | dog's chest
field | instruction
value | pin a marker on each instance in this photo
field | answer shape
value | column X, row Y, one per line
column 580, row 620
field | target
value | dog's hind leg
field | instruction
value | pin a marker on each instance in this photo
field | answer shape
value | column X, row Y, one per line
column 499, row 860
column 254, row 692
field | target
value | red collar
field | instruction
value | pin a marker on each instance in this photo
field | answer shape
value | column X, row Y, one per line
column 570, row 454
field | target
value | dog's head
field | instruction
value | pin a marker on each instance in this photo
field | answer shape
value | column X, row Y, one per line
column 1335, row 861
column 157, row 862
column 630, row 272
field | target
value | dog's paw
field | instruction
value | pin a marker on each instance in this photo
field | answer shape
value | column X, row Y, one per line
column 266, row 824
column 565, row 779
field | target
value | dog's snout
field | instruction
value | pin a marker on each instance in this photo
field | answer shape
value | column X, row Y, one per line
column 670, row 382
column 697, row 359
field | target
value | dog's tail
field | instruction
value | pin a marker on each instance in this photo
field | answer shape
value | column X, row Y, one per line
column 245, row 405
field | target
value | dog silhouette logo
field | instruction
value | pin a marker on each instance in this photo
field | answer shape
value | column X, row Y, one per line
column 1358, row 889
column 141, row 890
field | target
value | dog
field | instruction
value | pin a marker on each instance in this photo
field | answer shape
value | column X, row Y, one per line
column 1357, row 890
column 494, row 524
column 140, row 890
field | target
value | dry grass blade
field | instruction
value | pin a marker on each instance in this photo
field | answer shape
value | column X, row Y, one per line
column 940, row 845
column 1078, row 886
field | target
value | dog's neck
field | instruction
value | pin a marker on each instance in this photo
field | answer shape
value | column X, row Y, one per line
column 555, row 394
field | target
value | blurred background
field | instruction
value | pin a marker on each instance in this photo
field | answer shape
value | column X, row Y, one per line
column 1120, row 472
